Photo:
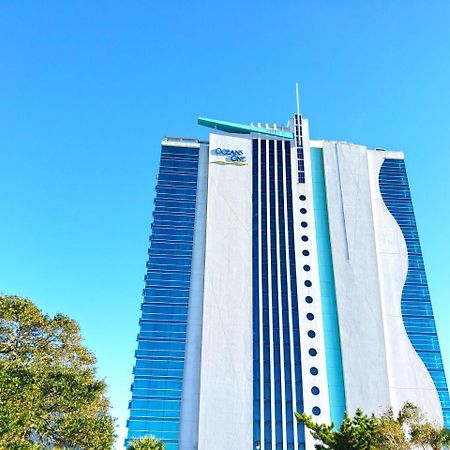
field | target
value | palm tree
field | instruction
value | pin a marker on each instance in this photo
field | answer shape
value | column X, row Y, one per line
column 147, row 443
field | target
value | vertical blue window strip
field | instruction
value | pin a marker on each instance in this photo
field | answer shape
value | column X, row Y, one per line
column 255, row 286
column 275, row 309
column 327, row 291
column 416, row 304
column 267, row 377
column 158, row 372
column 294, row 298
column 299, row 143
column 287, row 326
column 268, row 195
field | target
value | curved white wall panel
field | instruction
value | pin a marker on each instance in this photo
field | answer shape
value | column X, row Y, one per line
column 409, row 379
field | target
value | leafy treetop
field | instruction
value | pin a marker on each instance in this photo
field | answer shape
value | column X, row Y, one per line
column 147, row 443
column 405, row 431
column 49, row 394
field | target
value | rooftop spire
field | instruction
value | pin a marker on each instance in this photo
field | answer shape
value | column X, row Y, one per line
column 297, row 98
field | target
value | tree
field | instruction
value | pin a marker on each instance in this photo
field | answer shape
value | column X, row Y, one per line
column 147, row 443
column 390, row 432
column 427, row 435
column 49, row 393
column 353, row 434
column 408, row 430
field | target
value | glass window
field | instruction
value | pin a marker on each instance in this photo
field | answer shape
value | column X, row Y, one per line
column 416, row 307
column 180, row 153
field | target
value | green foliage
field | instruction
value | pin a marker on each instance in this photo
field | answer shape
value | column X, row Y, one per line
column 405, row 431
column 147, row 443
column 390, row 434
column 49, row 394
column 354, row 434
column 426, row 434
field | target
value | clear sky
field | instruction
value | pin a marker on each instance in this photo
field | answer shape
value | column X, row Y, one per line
column 88, row 89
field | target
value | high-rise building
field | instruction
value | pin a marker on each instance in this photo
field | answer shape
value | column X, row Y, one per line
column 284, row 274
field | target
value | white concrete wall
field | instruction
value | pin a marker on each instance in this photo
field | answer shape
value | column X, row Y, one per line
column 318, row 343
column 356, row 277
column 191, row 377
column 381, row 367
column 409, row 379
column 226, row 389
column 370, row 264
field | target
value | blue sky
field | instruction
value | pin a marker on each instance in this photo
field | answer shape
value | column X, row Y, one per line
column 88, row 89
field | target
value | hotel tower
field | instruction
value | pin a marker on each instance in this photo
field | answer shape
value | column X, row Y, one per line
column 284, row 274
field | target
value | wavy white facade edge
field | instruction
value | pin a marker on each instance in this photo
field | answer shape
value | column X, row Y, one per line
column 409, row 379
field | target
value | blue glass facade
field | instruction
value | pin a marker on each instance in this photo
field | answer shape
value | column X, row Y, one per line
column 158, row 373
column 416, row 305
column 273, row 254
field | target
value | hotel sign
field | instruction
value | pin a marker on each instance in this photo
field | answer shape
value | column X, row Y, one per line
column 227, row 156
